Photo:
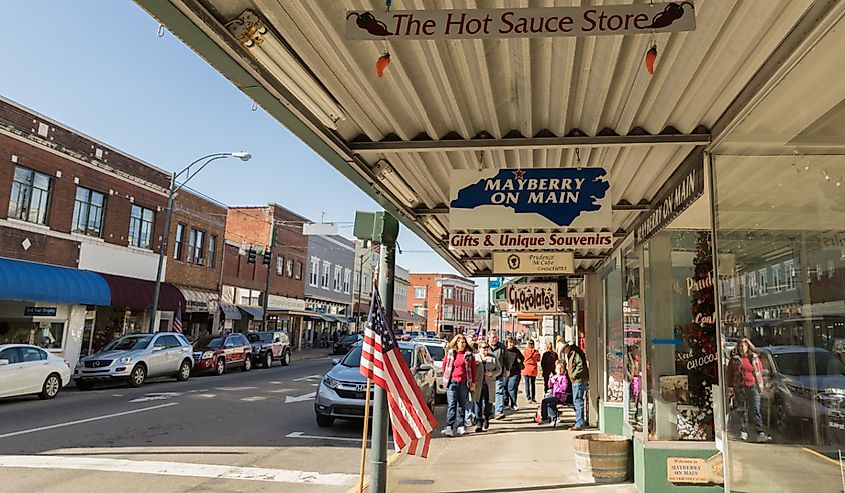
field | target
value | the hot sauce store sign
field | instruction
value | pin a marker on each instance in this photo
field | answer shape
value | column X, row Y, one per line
column 517, row 23
column 532, row 297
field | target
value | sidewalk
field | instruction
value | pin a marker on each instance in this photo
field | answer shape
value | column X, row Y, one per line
column 311, row 353
column 514, row 455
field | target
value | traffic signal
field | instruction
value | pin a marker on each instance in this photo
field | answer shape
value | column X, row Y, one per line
column 250, row 256
column 267, row 257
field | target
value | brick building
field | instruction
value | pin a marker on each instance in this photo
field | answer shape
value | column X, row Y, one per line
column 80, row 226
column 243, row 284
column 446, row 301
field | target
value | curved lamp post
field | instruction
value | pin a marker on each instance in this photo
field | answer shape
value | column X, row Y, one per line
column 243, row 156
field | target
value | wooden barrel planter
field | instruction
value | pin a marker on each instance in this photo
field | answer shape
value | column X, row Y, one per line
column 602, row 458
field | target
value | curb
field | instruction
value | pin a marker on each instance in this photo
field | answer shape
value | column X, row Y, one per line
column 390, row 461
column 308, row 357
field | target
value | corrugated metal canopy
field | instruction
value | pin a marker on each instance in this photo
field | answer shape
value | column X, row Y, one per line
column 530, row 102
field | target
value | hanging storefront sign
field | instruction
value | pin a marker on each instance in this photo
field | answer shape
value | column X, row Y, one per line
column 684, row 187
column 515, row 263
column 530, row 241
column 643, row 18
column 532, row 297
column 40, row 311
column 529, row 198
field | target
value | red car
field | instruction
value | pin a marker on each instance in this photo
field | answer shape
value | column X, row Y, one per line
column 221, row 352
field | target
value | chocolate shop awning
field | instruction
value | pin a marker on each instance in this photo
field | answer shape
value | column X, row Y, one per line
column 128, row 292
column 30, row 281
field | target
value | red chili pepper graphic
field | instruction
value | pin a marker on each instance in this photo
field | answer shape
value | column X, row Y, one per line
column 650, row 57
column 670, row 14
column 369, row 23
column 382, row 64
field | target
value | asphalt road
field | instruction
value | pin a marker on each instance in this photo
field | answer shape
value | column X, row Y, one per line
column 256, row 429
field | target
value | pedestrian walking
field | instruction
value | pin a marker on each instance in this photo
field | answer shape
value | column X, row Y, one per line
column 745, row 379
column 497, row 349
column 472, row 342
column 529, row 372
column 579, row 376
column 487, row 370
column 559, row 386
column 514, row 362
column 559, row 346
column 459, row 380
column 547, row 365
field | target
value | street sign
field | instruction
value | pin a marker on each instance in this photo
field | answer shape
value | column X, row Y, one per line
column 515, row 263
column 495, row 282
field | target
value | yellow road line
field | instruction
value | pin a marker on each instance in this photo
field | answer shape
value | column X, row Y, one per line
column 821, row 456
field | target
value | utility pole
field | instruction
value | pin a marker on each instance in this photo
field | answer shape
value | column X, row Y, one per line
column 269, row 269
column 360, row 288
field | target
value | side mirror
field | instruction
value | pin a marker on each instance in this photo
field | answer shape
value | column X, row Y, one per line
column 335, row 361
column 4, row 362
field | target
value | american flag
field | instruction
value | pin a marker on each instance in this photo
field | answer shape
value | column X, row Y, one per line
column 382, row 361
column 177, row 320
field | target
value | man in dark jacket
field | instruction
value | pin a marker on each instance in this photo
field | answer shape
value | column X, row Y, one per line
column 497, row 350
column 579, row 375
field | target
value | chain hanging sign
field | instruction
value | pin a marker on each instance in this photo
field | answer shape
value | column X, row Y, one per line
column 530, row 241
column 532, row 297
column 516, row 263
column 597, row 20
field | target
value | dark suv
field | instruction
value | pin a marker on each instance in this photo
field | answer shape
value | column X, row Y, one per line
column 221, row 352
column 269, row 346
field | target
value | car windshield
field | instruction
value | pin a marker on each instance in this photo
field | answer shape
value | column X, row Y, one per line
column 797, row 364
column 349, row 339
column 353, row 358
column 437, row 352
column 128, row 343
column 260, row 337
column 210, row 342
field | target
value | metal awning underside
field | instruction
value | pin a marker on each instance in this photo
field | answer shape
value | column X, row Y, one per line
column 530, row 102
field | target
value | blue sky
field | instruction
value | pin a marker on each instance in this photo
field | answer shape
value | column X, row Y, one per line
column 100, row 67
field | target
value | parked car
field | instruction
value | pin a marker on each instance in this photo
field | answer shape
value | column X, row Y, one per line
column 437, row 349
column 136, row 357
column 221, row 352
column 797, row 386
column 345, row 343
column 342, row 390
column 26, row 369
column 269, row 346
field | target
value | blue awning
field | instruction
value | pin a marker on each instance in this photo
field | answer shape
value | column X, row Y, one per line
column 29, row 281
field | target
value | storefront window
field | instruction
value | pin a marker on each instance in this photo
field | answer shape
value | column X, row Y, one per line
column 632, row 338
column 614, row 335
column 48, row 335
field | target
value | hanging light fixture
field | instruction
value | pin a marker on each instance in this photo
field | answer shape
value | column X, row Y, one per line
column 274, row 55
column 650, row 58
column 381, row 64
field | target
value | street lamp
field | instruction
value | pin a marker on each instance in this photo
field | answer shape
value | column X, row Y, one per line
column 243, row 156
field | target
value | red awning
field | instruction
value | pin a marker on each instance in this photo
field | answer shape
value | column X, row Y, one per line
column 137, row 294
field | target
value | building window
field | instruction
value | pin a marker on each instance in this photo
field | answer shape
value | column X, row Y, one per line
column 298, row 270
column 30, row 196
column 141, row 223
column 212, row 250
column 338, row 270
column 776, row 278
column 830, row 269
column 196, row 246
column 289, row 267
column 179, row 241
column 448, row 293
column 418, row 309
column 88, row 212
column 789, row 273
column 326, row 275
column 315, row 271
column 448, row 312
column 419, row 291
column 764, row 282
column 280, row 265
column 347, row 279
column 751, row 284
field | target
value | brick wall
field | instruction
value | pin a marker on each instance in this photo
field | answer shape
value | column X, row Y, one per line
column 194, row 211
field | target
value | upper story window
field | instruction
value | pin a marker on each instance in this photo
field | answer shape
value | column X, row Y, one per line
column 179, row 241
column 448, row 293
column 196, row 246
column 347, row 279
column 338, row 272
column 280, row 265
column 315, row 271
column 789, row 273
column 775, row 278
column 289, row 267
column 212, row 250
column 419, row 291
column 325, row 275
column 30, row 196
column 298, row 270
column 141, row 222
column 88, row 212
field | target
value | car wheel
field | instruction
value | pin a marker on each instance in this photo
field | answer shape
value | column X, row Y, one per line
column 184, row 371
column 220, row 368
column 138, row 376
column 324, row 421
column 51, row 387
column 247, row 363
column 781, row 416
column 268, row 359
column 83, row 385
column 286, row 358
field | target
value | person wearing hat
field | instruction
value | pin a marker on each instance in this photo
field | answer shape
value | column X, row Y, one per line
column 579, row 376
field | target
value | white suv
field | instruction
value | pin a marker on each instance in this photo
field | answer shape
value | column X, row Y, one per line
column 437, row 350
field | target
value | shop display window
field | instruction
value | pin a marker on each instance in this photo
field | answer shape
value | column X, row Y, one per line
column 614, row 336
column 632, row 338
column 48, row 335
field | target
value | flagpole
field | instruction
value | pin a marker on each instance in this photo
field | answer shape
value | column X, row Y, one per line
column 364, row 440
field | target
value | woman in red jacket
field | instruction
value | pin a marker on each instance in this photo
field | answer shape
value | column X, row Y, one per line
column 745, row 380
column 529, row 371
